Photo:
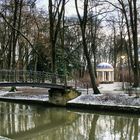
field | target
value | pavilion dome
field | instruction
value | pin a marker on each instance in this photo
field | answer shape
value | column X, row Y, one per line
column 104, row 65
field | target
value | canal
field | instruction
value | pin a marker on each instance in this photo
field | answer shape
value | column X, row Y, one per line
column 30, row 122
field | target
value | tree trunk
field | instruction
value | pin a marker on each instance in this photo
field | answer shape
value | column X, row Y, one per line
column 90, row 68
column 54, row 29
column 133, row 25
column 14, row 40
column 83, row 23
column 135, row 43
column 92, row 133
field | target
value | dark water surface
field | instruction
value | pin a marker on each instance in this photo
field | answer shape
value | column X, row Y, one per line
column 27, row 122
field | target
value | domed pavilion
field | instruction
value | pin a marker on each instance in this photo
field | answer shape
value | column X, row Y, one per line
column 105, row 72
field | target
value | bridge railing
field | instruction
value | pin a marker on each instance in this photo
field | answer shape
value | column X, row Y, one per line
column 31, row 76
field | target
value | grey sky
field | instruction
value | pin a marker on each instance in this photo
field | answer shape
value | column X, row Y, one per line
column 70, row 6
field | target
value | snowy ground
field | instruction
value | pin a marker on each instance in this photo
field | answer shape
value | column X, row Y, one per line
column 4, row 138
column 113, row 87
column 112, row 94
column 26, row 93
column 108, row 99
column 105, row 88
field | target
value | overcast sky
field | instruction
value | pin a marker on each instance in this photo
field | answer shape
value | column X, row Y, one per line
column 70, row 6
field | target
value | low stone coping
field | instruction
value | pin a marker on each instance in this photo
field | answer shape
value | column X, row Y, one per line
column 29, row 101
column 93, row 107
column 4, row 138
column 105, row 107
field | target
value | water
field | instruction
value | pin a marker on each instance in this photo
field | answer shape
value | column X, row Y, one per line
column 26, row 122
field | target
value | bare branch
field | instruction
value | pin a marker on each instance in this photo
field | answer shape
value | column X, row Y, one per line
column 114, row 5
column 19, row 33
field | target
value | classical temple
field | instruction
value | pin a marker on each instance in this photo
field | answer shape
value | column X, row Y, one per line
column 105, row 72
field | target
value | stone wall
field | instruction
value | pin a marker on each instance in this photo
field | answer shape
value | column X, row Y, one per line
column 62, row 96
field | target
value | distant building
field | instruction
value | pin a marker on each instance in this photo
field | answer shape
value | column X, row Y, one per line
column 105, row 72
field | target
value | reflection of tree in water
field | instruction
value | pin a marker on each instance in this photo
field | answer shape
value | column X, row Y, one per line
column 19, row 120
column 93, row 127
column 14, row 118
column 115, row 127
column 121, row 124
column 31, row 122
column 126, row 127
column 136, row 129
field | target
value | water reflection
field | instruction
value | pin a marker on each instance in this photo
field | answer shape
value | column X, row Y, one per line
column 24, row 122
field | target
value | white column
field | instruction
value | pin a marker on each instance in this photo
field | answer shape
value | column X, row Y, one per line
column 97, row 74
column 110, row 76
column 113, row 76
column 103, row 76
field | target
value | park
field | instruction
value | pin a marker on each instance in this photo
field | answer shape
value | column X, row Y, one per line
column 69, row 70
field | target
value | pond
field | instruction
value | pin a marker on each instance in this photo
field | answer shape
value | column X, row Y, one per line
column 28, row 122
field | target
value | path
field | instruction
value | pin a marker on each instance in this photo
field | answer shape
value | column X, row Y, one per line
column 115, row 87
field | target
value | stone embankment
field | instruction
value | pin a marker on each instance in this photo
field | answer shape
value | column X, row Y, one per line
column 111, row 99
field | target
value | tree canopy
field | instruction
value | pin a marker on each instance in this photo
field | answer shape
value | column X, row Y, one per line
column 51, row 40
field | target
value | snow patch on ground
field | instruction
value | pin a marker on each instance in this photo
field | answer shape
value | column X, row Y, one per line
column 35, row 98
column 26, row 93
column 107, row 99
column 4, row 138
column 112, row 94
column 3, row 93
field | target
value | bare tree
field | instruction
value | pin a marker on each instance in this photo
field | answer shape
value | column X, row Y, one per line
column 83, row 24
column 56, row 10
column 130, row 11
column 20, row 33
